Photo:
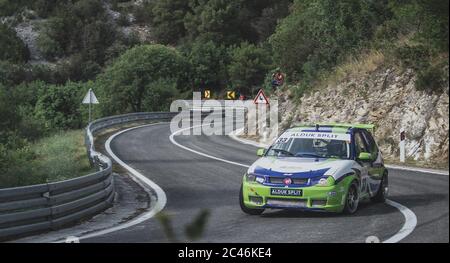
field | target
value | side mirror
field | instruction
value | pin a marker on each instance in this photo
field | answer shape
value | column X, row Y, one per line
column 260, row 152
column 365, row 156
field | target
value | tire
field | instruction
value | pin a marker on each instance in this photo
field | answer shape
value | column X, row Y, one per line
column 383, row 191
column 352, row 199
column 249, row 211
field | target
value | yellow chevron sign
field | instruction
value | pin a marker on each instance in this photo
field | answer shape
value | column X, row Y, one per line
column 231, row 95
column 207, row 94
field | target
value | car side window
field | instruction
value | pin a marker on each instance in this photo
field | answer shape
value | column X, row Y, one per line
column 360, row 145
column 371, row 142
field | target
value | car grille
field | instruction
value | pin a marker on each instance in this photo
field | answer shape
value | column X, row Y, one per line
column 316, row 203
column 287, row 202
column 279, row 180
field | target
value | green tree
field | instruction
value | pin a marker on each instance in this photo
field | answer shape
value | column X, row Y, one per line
column 318, row 34
column 218, row 20
column 168, row 20
column 248, row 67
column 125, row 84
column 427, row 19
column 209, row 64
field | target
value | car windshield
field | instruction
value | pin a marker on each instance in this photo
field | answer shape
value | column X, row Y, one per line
column 311, row 146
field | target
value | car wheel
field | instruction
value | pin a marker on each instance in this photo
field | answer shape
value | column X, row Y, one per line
column 382, row 193
column 352, row 199
column 250, row 211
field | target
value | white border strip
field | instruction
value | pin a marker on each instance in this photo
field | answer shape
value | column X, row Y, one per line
column 408, row 226
column 410, row 218
column 155, row 208
column 416, row 169
column 197, row 152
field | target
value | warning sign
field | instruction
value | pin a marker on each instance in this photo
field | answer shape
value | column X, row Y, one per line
column 231, row 95
column 261, row 98
column 207, row 94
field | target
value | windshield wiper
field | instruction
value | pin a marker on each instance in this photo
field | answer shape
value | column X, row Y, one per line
column 312, row 155
column 283, row 151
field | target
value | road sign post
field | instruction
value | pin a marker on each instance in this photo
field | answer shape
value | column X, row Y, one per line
column 402, row 146
column 90, row 99
column 260, row 100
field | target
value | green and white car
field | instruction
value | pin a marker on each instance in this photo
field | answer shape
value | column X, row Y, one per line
column 323, row 167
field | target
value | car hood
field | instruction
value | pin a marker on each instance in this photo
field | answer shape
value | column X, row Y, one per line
column 299, row 167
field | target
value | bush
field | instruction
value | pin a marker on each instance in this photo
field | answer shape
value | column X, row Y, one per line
column 11, row 46
column 124, row 84
column 16, row 169
column 55, row 158
column 159, row 95
column 8, row 115
column 61, row 156
column 431, row 78
column 58, row 107
column 11, row 74
column 415, row 57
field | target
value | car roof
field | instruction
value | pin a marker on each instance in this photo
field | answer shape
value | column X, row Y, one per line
column 332, row 127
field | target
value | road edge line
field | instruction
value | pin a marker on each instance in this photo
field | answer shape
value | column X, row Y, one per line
column 161, row 198
column 409, row 225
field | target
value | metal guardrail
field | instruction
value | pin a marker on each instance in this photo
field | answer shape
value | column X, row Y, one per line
column 37, row 208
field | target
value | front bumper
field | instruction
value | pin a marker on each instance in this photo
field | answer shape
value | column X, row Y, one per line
column 316, row 198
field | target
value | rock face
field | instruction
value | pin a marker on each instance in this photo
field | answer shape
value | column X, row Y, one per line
column 387, row 98
column 27, row 32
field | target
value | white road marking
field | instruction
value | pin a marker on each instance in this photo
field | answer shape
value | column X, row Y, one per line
column 408, row 226
column 410, row 217
column 416, row 169
column 161, row 198
column 197, row 152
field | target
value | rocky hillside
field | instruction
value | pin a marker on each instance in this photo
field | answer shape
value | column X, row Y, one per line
column 385, row 96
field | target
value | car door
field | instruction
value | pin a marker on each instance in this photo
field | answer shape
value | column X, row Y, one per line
column 376, row 168
column 361, row 146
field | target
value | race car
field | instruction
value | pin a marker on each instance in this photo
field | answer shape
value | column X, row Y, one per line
column 320, row 167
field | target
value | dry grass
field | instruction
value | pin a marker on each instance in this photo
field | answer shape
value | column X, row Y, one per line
column 355, row 67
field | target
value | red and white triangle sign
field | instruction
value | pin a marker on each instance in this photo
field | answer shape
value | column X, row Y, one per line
column 261, row 98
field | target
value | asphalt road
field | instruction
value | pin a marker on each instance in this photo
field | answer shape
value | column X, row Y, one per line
column 193, row 182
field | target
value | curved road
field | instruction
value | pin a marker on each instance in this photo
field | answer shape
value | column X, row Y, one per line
column 194, row 182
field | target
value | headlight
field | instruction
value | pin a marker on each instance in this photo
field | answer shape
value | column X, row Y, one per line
column 326, row 181
column 260, row 179
column 250, row 177
column 253, row 178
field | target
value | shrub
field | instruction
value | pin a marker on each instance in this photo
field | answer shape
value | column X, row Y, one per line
column 11, row 74
column 58, row 107
column 415, row 57
column 431, row 78
column 11, row 46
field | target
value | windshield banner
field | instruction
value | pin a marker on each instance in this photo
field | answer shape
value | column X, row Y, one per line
column 316, row 135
